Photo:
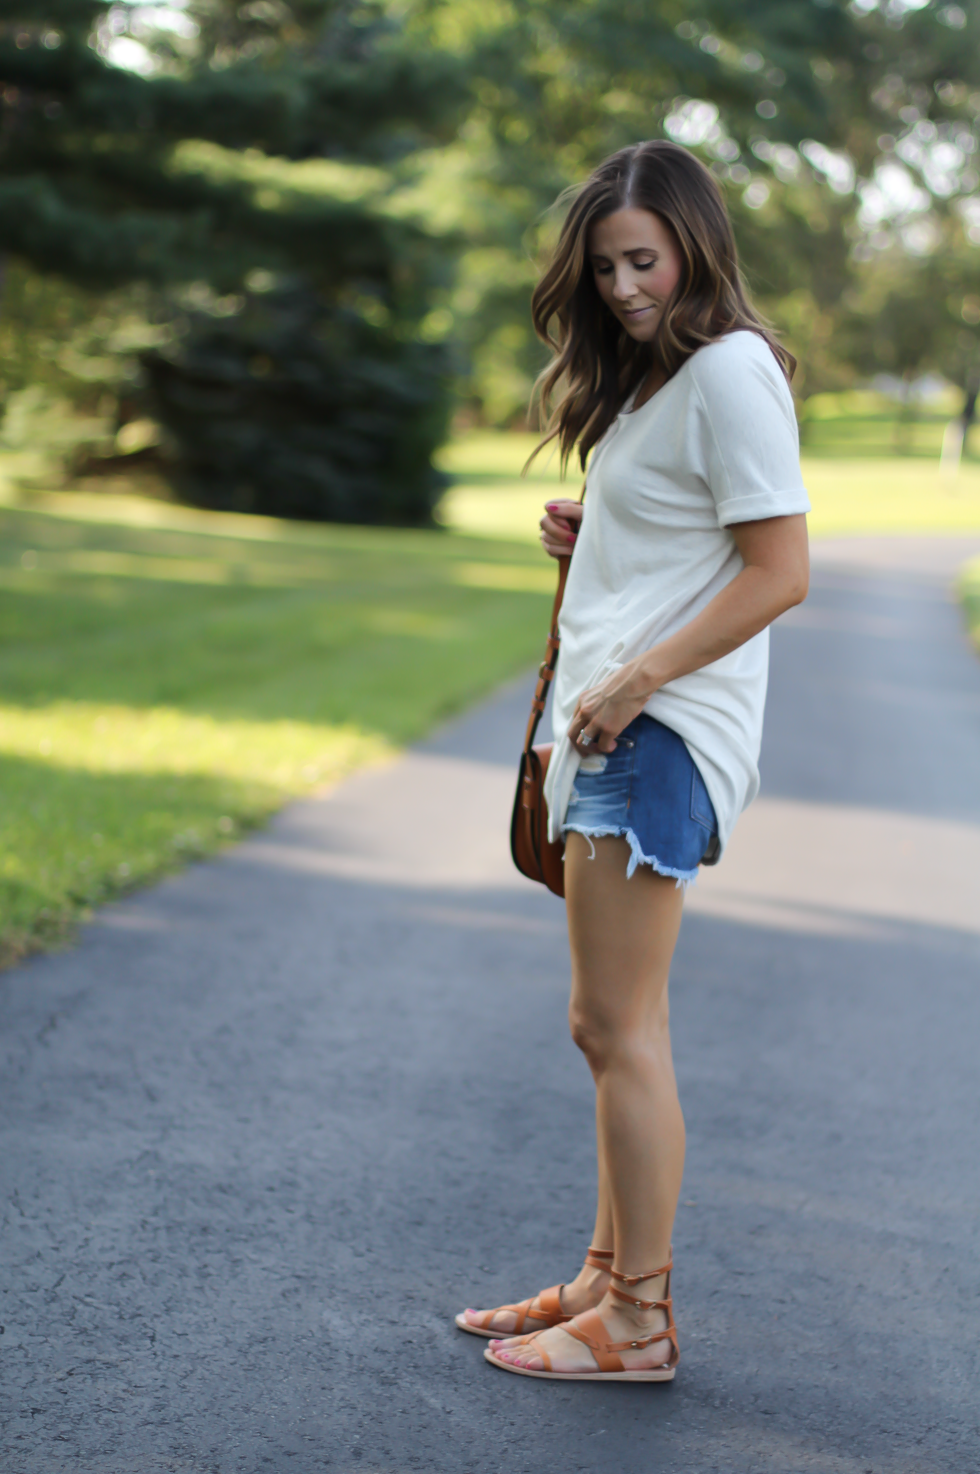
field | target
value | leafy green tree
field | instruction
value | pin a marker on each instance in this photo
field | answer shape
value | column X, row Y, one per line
column 563, row 83
column 898, row 157
column 287, row 408
column 58, row 337
column 106, row 180
column 808, row 113
column 93, row 184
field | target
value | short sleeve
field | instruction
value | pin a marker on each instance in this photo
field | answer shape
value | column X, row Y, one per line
column 751, row 440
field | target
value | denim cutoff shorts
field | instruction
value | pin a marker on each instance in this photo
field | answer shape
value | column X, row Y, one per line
column 650, row 792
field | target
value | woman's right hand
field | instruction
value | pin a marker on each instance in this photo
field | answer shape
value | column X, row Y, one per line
column 559, row 527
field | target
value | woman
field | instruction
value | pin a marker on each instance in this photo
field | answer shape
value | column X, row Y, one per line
column 690, row 541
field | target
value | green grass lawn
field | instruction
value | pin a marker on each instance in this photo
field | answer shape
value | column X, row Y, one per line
column 850, row 494
column 861, row 423
column 169, row 677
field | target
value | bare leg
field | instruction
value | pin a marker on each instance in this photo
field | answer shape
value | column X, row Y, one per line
column 603, row 1235
column 623, row 934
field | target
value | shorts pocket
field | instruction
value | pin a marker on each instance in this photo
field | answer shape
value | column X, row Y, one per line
column 702, row 809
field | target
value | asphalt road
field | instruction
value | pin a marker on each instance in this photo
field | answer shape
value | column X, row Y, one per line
column 272, row 1123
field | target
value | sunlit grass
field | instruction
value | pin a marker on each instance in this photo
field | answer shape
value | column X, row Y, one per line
column 98, row 798
column 169, row 677
column 849, row 496
column 864, row 423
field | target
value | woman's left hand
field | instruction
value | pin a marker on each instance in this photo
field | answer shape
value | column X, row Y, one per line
column 603, row 712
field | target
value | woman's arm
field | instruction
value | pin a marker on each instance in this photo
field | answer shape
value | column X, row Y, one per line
column 775, row 577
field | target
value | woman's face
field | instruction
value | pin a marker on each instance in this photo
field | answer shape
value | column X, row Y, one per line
column 636, row 263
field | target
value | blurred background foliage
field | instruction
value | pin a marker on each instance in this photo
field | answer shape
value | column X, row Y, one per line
column 261, row 253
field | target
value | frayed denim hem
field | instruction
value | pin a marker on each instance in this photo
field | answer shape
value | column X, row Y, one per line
column 637, row 857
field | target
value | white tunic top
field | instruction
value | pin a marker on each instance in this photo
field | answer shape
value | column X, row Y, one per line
column 718, row 444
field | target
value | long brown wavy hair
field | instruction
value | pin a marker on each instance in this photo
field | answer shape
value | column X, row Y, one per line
column 596, row 363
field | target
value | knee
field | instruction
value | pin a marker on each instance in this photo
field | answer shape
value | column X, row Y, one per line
column 606, row 1037
column 594, row 1034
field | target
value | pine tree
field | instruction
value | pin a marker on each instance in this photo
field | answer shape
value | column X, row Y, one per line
column 98, row 185
column 293, row 410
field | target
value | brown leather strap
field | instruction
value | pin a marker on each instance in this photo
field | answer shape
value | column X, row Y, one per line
column 596, row 1258
column 634, row 1279
column 590, row 1330
column 669, row 1333
column 546, row 670
column 550, row 1306
column 640, row 1304
column 666, row 1305
column 520, row 1310
column 549, row 1310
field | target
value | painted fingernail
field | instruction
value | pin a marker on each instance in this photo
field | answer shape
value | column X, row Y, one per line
column 550, row 506
column 571, row 537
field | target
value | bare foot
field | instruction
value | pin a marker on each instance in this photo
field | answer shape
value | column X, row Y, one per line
column 582, row 1293
column 622, row 1322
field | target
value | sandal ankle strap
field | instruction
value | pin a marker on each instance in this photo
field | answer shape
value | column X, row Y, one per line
column 669, row 1333
column 600, row 1259
column 641, row 1304
column 634, row 1279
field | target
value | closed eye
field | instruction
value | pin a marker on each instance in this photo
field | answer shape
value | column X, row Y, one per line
column 606, row 270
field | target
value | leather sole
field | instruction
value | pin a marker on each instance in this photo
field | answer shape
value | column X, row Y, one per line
column 652, row 1374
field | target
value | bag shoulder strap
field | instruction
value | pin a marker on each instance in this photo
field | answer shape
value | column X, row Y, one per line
column 546, row 670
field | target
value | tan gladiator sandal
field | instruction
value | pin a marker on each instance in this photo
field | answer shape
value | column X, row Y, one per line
column 591, row 1331
column 549, row 1310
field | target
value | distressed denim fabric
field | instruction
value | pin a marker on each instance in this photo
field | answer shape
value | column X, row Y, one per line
column 650, row 792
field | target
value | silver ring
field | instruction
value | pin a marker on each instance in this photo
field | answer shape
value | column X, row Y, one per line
column 584, row 740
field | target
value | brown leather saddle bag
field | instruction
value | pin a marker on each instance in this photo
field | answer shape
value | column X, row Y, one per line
column 534, row 854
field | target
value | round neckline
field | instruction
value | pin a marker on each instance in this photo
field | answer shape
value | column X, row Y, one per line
column 631, row 409
column 628, row 408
